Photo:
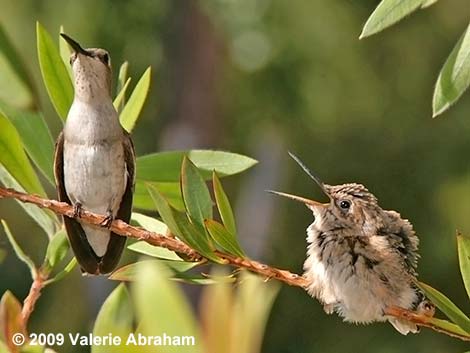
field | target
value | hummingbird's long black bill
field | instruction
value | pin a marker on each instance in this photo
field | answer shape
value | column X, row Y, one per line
column 304, row 200
column 74, row 45
column 315, row 178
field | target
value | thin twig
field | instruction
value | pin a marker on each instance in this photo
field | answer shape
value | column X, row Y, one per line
column 171, row 243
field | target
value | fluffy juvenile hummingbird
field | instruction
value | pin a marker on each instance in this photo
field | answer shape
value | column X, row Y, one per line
column 361, row 259
column 94, row 162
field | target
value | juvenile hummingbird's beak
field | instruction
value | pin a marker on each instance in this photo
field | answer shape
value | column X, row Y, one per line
column 74, row 45
column 307, row 202
column 315, row 178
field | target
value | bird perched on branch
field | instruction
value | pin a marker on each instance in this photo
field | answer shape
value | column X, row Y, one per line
column 361, row 259
column 94, row 162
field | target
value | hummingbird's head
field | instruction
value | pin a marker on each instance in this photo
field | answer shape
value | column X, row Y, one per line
column 91, row 70
column 350, row 205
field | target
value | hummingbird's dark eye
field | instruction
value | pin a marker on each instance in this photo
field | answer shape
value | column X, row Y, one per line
column 105, row 59
column 345, row 204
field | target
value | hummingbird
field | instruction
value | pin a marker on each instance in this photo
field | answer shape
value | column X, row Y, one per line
column 94, row 162
column 361, row 259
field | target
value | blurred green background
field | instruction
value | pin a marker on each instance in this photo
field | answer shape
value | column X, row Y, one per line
column 261, row 78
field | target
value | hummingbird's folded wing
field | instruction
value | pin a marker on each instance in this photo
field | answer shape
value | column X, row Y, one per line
column 77, row 237
column 117, row 242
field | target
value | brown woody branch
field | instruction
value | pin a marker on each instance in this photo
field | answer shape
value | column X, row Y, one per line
column 156, row 239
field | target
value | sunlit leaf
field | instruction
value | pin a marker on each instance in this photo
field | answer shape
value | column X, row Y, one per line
column 65, row 52
column 116, row 318
column 130, row 272
column 120, row 98
column 44, row 218
column 196, row 196
column 448, row 326
column 145, row 248
column 223, row 238
column 17, row 249
column 171, row 192
column 223, row 205
column 131, row 110
column 162, row 308
column 149, row 223
column 36, row 137
column 387, row 13
column 14, row 159
column 54, row 73
column 446, row 306
column 56, row 250
column 463, row 244
column 166, row 166
column 11, row 321
column 454, row 77
column 16, row 87
column 428, row 3
column 180, row 226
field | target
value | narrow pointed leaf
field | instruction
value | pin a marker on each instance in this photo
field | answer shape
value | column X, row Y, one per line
column 121, row 97
column 387, row 13
column 54, row 73
column 65, row 53
column 44, row 218
column 62, row 274
column 149, row 223
column 448, row 326
column 223, row 238
column 14, row 159
column 35, row 136
column 454, row 77
column 132, row 109
column 16, row 87
column 180, row 226
column 196, row 196
column 428, row 3
column 446, row 306
column 168, row 312
column 56, row 250
column 10, row 320
column 166, row 166
column 463, row 244
column 116, row 317
column 129, row 273
column 203, row 279
column 122, row 83
column 145, row 248
column 223, row 205
column 17, row 249
column 171, row 192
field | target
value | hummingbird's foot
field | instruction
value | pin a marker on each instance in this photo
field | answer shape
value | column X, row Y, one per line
column 77, row 210
column 108, row 220
column 329, row 308
column 426, row 308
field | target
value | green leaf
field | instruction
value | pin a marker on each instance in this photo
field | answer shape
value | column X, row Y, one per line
column 203, row 279
column 44, row 218
column 463, row 245
column 162, row 308
column 180, row 226
column 446, row 306
column 116, row 317
column 145, row 248
column 17, row 249
column 65, row 52
column 56, row 250
column 10, row 319
column 149, row 223
column 70, row 266
column 171, row 192
column 196, row 196
column 121, row 97
column 166, row 166
column 129, row 272
column 428, row 3
column 36, row 137
column 54, row 73
column 454, row 77
column 132, row 109
column 16, row 87
column 14, row 159
column 387, row 13
column 223, row 238
column 223, row 205
column 448, row 326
